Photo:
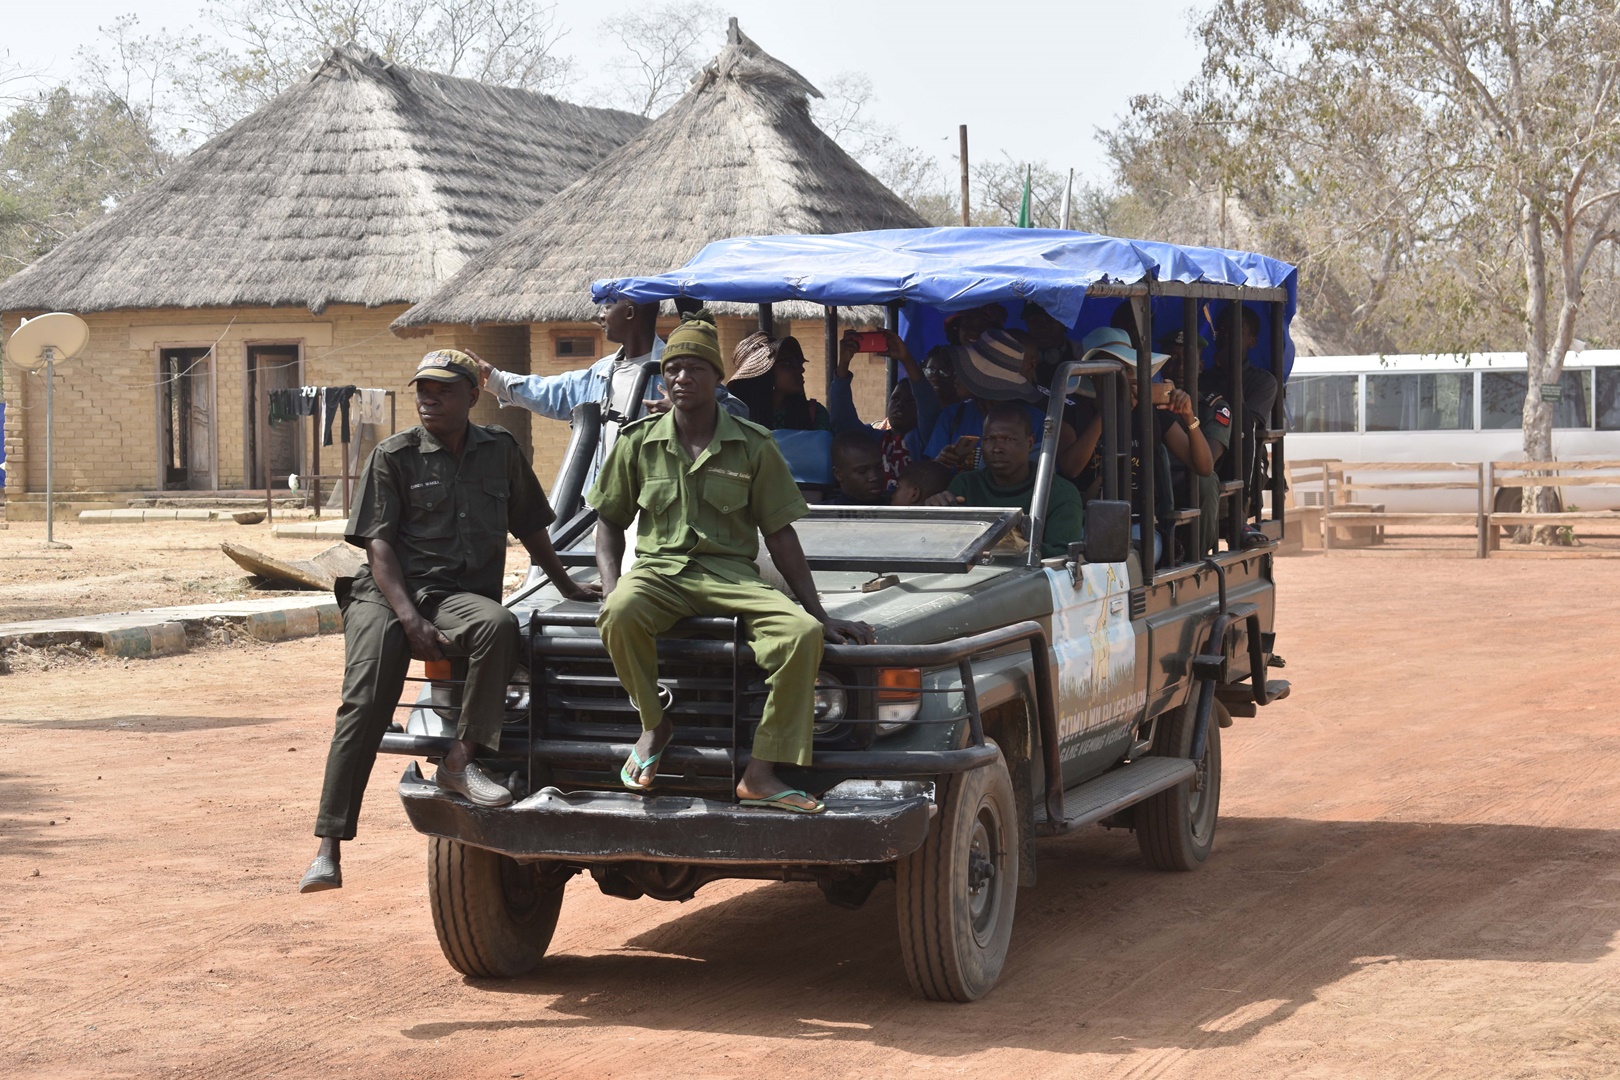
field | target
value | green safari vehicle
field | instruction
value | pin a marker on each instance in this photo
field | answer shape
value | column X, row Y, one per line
column 1009, row 697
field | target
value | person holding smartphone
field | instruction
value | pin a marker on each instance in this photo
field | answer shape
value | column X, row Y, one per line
column 913, row 405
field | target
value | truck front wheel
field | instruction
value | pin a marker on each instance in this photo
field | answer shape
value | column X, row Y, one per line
column 956, row 892
column 494, row 915
column 1176, row 828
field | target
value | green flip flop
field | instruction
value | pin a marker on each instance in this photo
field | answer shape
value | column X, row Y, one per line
column 774, row 802
column 634, row 762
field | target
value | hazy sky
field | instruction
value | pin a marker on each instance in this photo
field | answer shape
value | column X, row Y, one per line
column 1030, row 78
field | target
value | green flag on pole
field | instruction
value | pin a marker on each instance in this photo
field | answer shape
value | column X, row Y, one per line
column 1023, row 208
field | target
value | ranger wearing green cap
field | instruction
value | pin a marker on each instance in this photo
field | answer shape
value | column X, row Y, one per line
column 705, row 486
column 432, row 511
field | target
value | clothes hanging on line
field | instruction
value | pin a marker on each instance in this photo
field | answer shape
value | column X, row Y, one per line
column 335, row 399
column 371, row 407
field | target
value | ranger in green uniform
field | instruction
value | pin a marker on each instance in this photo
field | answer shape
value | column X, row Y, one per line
column 433, row 509
column 705, row 486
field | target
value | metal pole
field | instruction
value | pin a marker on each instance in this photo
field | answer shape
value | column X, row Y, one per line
column 891, row 373
column 262, row 418
column 1142, row 309
column 962, row 133
column 1279, row 418
column 50, row 423
column 830, row 347
column 1068, row 190
column 1191, row 360
column 1235, row 362
column 766, row 322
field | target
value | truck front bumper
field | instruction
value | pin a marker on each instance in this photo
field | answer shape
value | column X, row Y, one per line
column 614, row 826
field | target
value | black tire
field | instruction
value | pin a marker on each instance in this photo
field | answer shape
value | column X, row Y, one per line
column 954, row 937
column 493, row 914
column 1176, row 828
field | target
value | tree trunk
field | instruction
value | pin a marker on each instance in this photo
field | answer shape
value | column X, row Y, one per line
column 1538, row 414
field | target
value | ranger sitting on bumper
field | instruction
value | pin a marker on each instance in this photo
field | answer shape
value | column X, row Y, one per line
column 434, row 506
column 706, row 485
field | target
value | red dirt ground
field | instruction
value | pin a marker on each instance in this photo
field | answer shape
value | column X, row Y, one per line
column 1415, row 875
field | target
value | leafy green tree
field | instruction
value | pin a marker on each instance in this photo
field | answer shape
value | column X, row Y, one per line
column 66, row 158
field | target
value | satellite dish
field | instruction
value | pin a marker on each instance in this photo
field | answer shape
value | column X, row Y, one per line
column 59, row 331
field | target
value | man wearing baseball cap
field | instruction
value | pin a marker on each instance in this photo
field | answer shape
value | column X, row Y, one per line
column 432, row 511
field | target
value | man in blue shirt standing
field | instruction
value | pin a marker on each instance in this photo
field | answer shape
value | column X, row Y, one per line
column 610, row 381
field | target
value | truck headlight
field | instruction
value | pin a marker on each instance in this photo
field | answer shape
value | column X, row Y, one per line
column 831, row 703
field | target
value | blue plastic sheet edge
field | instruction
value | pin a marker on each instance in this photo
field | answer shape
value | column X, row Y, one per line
column 931, row 271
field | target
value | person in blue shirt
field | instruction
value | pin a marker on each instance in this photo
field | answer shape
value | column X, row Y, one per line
column 913, row 407
column 610, row 381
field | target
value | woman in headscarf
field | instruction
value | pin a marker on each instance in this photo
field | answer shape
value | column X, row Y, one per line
column 768, row 376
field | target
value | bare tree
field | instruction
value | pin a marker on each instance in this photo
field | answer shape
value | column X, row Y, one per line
column 661, row 49
column 255, row 49
column 846, row 112
column 1501, row 119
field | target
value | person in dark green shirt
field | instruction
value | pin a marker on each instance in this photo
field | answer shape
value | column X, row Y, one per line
column 1008, row 479
column 432, row 511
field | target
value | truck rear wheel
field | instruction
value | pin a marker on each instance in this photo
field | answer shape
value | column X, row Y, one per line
column 494, row 915
column 1176, row 828
column 956, row 892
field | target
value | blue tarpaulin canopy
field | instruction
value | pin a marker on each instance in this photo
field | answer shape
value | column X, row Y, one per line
column 933, row 271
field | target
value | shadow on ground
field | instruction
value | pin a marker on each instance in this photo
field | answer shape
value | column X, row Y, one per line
column 1107, row 956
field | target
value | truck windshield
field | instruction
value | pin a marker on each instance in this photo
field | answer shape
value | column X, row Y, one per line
column 882, row 538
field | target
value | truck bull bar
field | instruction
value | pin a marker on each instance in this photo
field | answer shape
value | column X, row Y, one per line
column 543, row 751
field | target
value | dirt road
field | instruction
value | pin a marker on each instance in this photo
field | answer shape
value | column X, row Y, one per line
column 1417, row 874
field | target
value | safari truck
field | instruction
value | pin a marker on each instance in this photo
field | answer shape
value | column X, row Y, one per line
column 1009, row 697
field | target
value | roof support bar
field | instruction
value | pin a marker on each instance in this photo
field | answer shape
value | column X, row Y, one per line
column 1147, row 483
column 1234, row 361
column 830, row 347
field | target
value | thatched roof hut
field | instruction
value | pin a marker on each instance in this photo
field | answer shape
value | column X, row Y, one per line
column 365, row 184
column 738, row 155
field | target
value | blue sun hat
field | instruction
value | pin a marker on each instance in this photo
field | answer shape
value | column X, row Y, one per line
column 992, row 368
column 1116, row 343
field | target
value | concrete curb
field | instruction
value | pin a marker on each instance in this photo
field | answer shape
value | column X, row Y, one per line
column 158, row 632
column 311, row 530
column 146, row 642
column 126, row 516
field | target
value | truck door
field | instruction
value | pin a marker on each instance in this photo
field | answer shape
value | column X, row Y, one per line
column 1094, row 659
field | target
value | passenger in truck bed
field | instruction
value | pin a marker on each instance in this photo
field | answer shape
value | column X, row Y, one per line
column 1008, row 479
column 912, row 408
column 857, row 467
column 704, row 487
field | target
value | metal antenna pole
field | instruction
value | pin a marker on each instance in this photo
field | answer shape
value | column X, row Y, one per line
column 50, row 424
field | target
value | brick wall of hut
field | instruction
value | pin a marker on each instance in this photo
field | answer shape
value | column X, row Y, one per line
column 107, row 399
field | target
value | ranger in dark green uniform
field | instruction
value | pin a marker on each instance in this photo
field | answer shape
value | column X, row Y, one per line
column 433, row 509
column 705, row 486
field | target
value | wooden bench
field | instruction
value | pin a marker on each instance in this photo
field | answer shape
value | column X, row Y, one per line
column 1354, row 477
column 1305, row 518
column 1553, row 474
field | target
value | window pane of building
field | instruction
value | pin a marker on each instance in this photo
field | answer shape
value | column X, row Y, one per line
column 1323, row 402
column 1442, row 401
column 1501, row 396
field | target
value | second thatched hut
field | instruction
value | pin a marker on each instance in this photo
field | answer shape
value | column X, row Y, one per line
column 738, row 155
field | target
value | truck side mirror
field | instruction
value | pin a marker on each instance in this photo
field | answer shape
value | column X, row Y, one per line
column 1108, row 531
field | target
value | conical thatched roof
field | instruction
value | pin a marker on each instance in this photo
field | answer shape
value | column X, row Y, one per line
column 366, row 183
column 738, row 155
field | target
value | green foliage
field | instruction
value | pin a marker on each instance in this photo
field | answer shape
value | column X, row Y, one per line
column 66, row 159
